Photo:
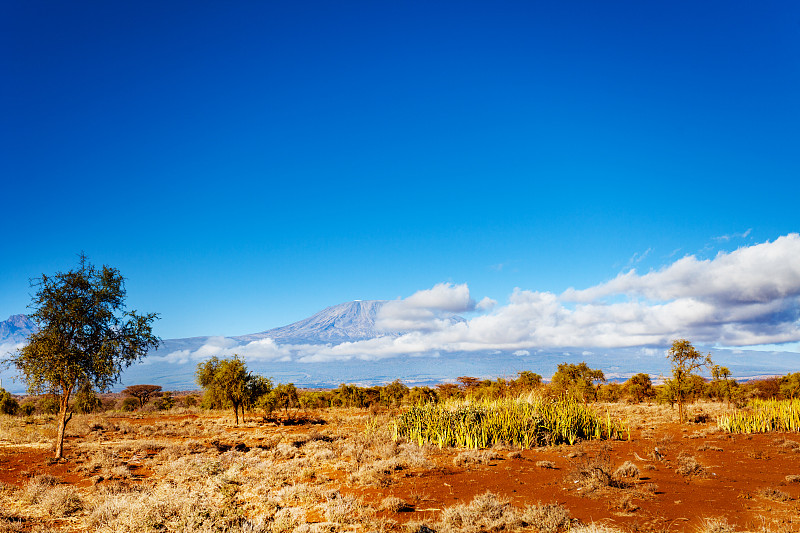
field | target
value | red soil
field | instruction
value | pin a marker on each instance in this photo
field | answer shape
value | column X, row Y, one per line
column 739, row 468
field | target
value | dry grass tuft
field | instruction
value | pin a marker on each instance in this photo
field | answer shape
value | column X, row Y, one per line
column 627, row 470
column 394, row 504
column 715, row 525
column 477, row 457
column 689, row 467
column 548, row 518
column 774, row 494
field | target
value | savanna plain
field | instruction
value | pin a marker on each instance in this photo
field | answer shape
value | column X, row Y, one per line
column 619, row 467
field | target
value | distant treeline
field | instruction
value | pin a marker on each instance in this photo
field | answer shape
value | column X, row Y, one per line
column 575, row 380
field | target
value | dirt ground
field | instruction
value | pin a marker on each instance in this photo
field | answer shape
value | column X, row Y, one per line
column 747, row 479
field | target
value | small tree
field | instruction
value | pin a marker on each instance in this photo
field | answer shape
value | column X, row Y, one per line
column 722, row 384
column 527, row 380
column 468, row 383
column 393, row 393
column 577, row 380
column 285, row 396
column 164, row 402
column 638, row 388
column 685, row 360
column 790, row 386
column 228, row 383
column 143, row 393
column 86, row 401
column 84, row 336
column 8, row 404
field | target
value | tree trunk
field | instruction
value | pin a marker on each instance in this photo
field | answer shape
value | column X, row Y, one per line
column 63, row 406
column 236, row 413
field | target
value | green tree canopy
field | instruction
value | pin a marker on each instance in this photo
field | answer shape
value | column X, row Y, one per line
column 638, row 388
column 85, row 335
column 577, row 380
column 143, row 393
column 685, row 360
column 229, row 384
column 86, row 401
column 8, row 405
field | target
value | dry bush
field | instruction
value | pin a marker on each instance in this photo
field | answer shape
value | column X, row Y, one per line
column 345, row 509
column 61, row 501
column 793, row 478
column 774, row 494
column 37, row 487
column 488, row 512
column 595, row 528
column 715, row 525
column 377, row 473
column 546, row 464
column 393, row 504
column 594, row 475
column 627, row 470
column 484, row 512
column 477, row 457
column 547, row 518
column 689, row 467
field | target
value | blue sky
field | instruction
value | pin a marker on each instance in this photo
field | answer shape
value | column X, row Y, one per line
column 245, row 164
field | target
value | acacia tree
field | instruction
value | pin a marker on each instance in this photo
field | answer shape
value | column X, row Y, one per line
column 85, row 335
column 577, row 380
column 228, row 383
column 142, row 392
column 639, row 387
column 685, row 360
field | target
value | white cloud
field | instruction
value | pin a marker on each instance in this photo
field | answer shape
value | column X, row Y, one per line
column 726, row 238
column 756, row 274
column 258, row 350
column 486, row 304
column 426, row 310
column 747, row 297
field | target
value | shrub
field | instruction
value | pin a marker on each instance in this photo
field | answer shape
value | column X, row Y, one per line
column 49, row 405
column 27, row 408
column 548, row 518
column 129, row 404
column 627, row 470
column 8, row 405
column 689, row 467
column 165, row 402
column 86, row 401
column 523, row 422
column 61, row 501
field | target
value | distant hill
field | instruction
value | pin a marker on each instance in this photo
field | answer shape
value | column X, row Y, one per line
column 173, row 364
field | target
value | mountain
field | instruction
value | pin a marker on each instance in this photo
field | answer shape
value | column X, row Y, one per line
column 16, row 329
column 173, row 365
column 347, row 322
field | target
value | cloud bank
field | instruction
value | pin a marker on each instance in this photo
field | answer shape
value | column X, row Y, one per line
column 747, row 297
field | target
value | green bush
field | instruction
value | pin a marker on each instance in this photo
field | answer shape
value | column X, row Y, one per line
column 8, row 405
column 165, row 402
column 27, row 408
column 86, row 401
column 129, row 404
column 49, row 405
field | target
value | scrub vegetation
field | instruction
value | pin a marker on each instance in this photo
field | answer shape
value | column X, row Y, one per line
column 576, row 454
